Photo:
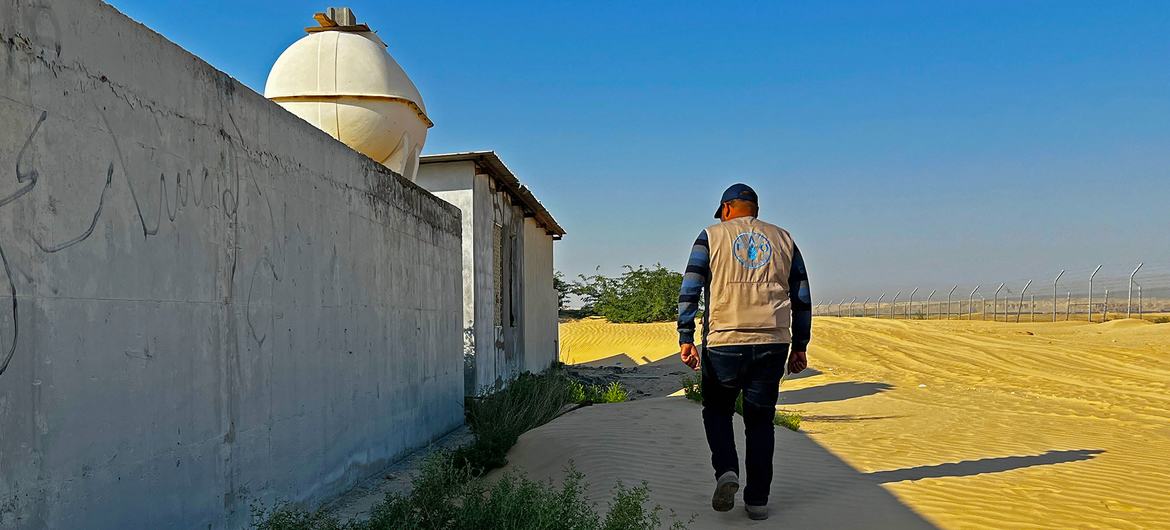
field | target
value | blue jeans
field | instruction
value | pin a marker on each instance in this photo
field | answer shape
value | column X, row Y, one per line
column 755, row 370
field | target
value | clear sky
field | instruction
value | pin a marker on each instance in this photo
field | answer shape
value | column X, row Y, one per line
column 902, row 143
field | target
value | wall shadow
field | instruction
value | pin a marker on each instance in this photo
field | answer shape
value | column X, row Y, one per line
column 983, row 465
column 620, row 360
column 832, row 392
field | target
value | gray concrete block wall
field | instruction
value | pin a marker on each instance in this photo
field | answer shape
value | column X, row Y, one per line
column 205, row 301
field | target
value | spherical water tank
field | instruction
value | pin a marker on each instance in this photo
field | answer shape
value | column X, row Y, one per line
column 341, row 79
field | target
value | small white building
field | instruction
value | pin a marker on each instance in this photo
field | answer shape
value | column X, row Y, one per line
column 509, row 303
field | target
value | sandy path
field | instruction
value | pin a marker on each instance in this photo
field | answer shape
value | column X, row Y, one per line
column 971, row 424
column 661, row 441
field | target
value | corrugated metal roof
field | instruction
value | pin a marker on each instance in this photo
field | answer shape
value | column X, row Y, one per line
column 491, row 163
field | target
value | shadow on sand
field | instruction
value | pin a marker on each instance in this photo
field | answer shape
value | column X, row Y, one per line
column 832, row 392
column 661, row 441
column 983, row 465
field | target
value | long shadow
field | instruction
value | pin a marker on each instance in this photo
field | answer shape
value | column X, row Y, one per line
column 661, row 441
column 983, row 465
column 808, row 372
column 622, row 360
column 832, row 392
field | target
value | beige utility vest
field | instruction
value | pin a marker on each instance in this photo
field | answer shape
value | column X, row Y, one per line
column 750, row 261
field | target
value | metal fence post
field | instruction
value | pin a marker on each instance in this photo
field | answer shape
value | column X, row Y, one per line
column 1091, row 276
column 971, row 302
column 949, row 301
column 1105, row 308
column 1054, row 282
column 894, row 305
column 852, row 312
column 995, row 304
column 1068, row 307
column 1021, row 306
column 1129, row 300
column 910, row 304
column 1140, row 315
column 928, row 299
column 878, row 313
column 865, row 307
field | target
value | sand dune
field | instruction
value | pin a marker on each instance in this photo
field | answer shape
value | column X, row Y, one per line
column 593, row 340
column 967, row 424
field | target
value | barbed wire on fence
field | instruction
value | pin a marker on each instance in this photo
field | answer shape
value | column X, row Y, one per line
column 1143, row 291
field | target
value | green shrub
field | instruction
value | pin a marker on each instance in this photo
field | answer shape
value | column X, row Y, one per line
column 498, row 418
column 693, row 390
column 692, row 387
column 788, row 420
column 446, row 496
column 286, row 516
column 590, row 394
column 450, row 492
column 638, row 295
column 577, row 392
column 614, row 393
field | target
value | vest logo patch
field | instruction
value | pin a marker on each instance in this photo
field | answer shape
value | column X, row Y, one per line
column 752, row 250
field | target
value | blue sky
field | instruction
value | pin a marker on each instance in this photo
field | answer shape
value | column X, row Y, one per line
column 902, row 143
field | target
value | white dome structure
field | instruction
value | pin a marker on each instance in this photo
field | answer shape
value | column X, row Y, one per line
column 341, row 79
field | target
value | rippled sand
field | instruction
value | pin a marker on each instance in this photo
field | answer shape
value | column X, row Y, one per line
column 967, row 424
column 594, row 340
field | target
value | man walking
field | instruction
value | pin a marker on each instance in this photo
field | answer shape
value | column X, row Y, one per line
column 757, row 304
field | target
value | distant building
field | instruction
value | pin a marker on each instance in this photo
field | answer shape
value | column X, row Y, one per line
column 509, row 304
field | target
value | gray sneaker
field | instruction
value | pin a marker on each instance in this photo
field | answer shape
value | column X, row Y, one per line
column 725, row 487
column 756, row 513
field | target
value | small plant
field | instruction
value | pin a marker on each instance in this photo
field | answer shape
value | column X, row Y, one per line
column 693, row 390
column 285, row 516
column 788, row 420
column 498, row 418
column 446, row 495
column 1161, row 320
column 614, row 392
column 577, row 392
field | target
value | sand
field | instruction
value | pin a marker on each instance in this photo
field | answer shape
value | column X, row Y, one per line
column 596, row 341
column 955, row 424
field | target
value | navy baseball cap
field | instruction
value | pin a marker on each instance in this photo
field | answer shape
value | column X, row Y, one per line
column 738, row 191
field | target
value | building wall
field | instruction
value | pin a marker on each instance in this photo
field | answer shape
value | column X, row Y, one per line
column 541, row 336
column 526, row 337
column 214, row 302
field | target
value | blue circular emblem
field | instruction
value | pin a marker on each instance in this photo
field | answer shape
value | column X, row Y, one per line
column 752, row 250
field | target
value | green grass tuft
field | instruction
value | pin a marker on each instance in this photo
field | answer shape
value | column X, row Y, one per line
column 591, row 394
column 498, row 418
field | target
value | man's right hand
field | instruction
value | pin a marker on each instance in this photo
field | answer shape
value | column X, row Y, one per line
column 690, row 355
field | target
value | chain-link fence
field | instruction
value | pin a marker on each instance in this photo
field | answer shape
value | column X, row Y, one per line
column 1096, row 295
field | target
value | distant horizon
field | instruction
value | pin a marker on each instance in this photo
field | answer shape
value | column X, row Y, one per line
column 903, row 144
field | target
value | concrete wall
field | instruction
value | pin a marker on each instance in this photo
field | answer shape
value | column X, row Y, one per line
column 541, row 335
column 206, row 301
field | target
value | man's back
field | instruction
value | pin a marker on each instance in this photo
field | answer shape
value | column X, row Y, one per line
column 750, row 262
